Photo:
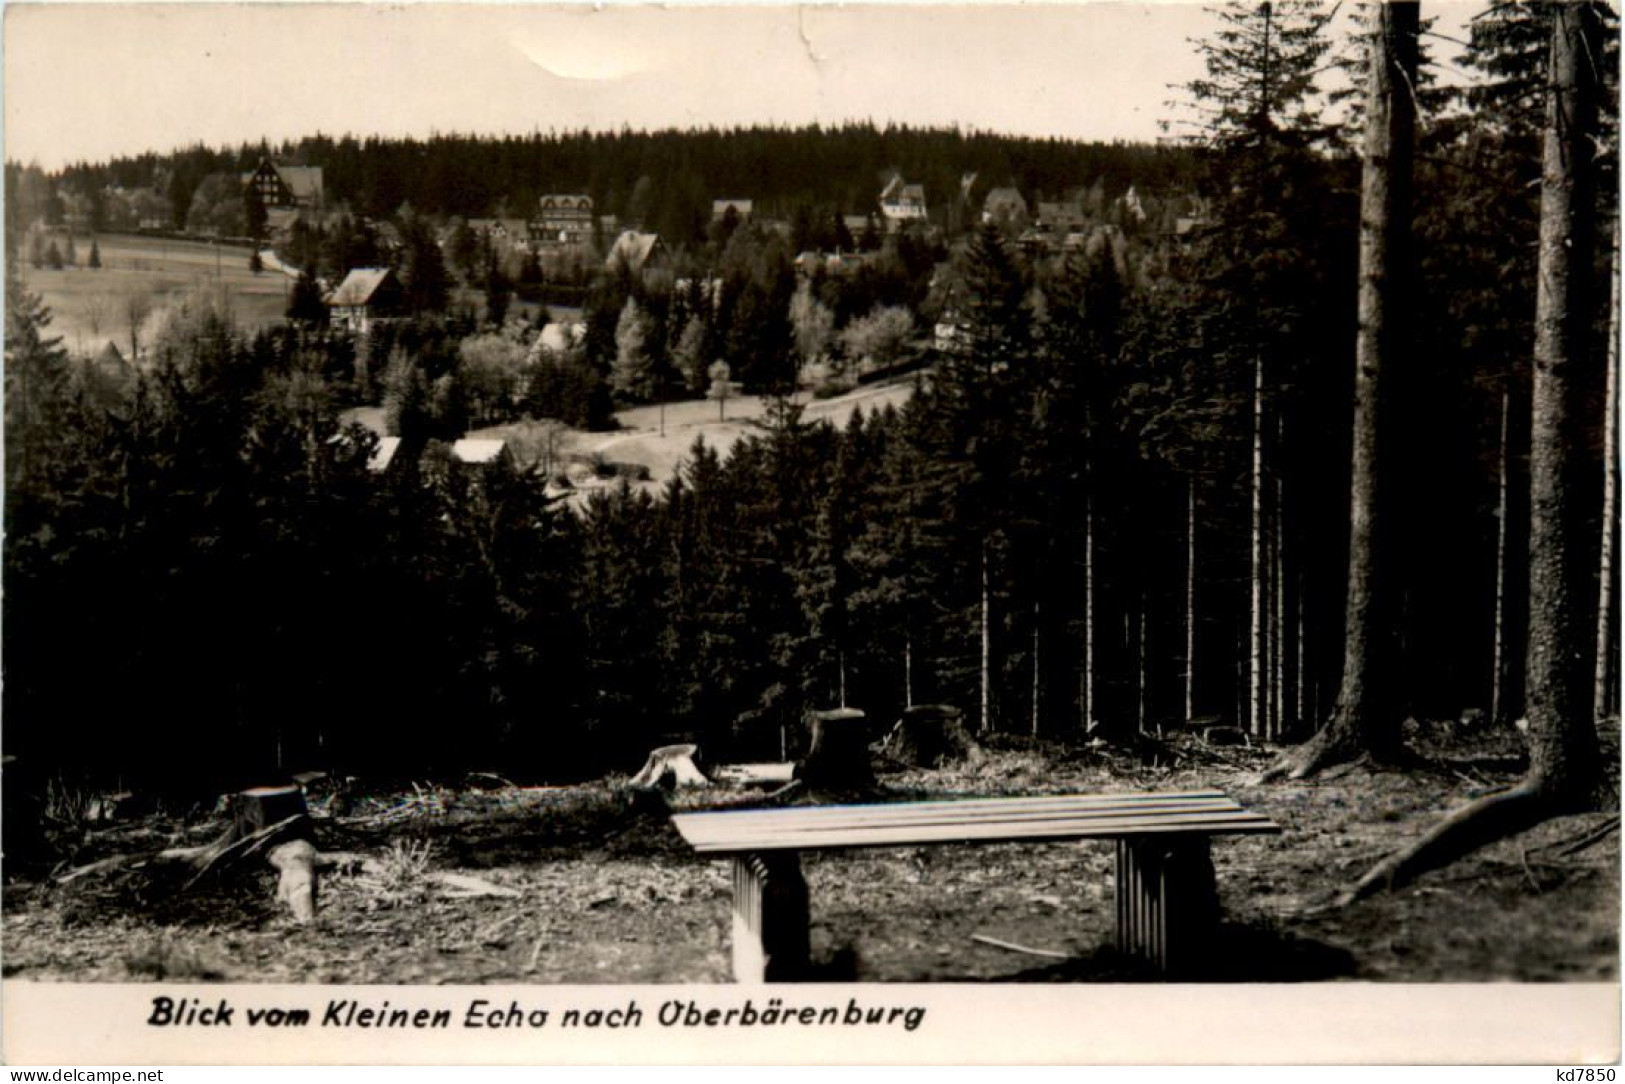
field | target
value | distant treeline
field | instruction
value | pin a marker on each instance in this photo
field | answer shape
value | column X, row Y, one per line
column 665, row 180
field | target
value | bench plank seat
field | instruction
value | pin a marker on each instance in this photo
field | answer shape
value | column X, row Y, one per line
column 1164, row 888
column 980, row 820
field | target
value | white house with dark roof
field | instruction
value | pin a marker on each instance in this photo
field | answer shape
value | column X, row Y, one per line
column 383, row 455
column 366, row 295
column 479, row 452
column 638, row 250
column 901, row 202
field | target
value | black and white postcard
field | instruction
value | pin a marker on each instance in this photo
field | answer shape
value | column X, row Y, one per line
column 1058, row 533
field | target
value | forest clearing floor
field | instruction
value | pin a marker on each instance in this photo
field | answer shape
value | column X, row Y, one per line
column 609, row 895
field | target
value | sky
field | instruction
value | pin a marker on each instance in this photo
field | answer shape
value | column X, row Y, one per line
column 97, row 80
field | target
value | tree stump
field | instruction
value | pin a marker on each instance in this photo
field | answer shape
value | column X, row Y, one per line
column 669, row 768
column 930, row 736
column 277, row 821
column 260, row 808
column 838, row 756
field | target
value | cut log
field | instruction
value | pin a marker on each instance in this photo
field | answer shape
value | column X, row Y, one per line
column 838, row 755
column 763, row 775
column 296, row 861
column 931, row 736
column 464, row 886
column 670, row 767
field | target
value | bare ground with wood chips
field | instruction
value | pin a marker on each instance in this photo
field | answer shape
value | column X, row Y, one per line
column 609, row 895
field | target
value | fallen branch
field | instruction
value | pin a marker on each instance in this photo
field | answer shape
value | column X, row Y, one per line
column 782, row 793
column 487, row 936
column 1013, row 947
column 473, row 886
column 1529, row 874
column 1596, row 835
column 232, row 847
column 117, row 861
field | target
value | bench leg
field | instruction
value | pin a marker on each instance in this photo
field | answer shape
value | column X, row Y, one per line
column 1167, row 906
column 770, row 940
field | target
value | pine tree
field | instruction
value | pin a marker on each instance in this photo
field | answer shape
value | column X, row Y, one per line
column 498, row 292
column 305, row 303
column 979, row 404
column 95, row 261
column 255, row 216
column 632, row 376
column 689, row 356
column 1565, row 772
column 36, row 378
column 1353, row 56
column 423, row 268
column 1367, row 718
column 1259, row 91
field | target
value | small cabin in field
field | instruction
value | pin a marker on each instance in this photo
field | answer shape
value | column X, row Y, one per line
column 366, row 295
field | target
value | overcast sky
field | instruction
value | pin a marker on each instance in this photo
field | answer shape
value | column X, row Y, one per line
column 93, row 81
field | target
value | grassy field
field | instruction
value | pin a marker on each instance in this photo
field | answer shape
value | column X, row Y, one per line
column 88, row 306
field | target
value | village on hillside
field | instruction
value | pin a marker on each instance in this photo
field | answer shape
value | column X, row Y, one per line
column 872, row 293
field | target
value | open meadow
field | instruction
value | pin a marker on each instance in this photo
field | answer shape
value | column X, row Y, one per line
column 91, row 307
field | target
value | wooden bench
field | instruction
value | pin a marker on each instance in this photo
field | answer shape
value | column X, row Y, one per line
column 1165, row 897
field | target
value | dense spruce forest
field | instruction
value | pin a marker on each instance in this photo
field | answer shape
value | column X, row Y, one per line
column 1117, row 500
column 664, row 180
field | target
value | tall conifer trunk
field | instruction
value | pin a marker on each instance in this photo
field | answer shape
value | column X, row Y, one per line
column 985, row 665
column 1559, row 674
column 908, row 670
column 1255, row 613
column 1089, row 612
column 1037, row 618
column 1190, row 598
column 1140, row 691
column 1564, row 770
column 1365, row 716
column 1278, row 633
column 1603, row 699
column 1498, row 658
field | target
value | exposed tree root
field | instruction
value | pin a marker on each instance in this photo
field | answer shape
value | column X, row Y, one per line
column 1327, row 750
column 1482, row 822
